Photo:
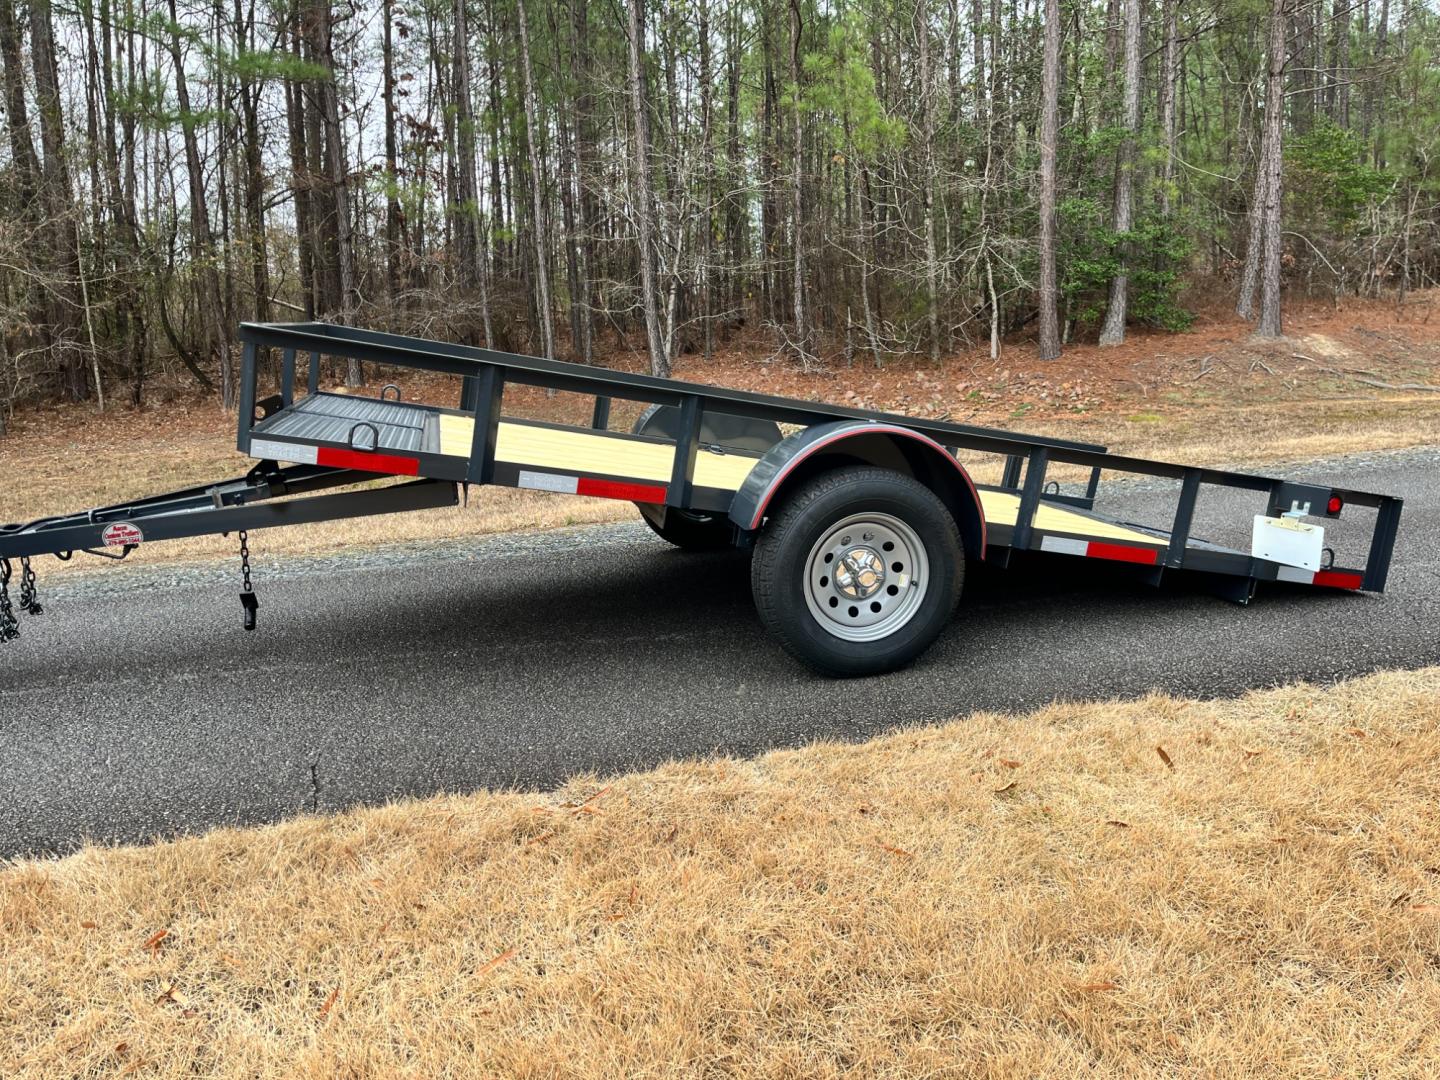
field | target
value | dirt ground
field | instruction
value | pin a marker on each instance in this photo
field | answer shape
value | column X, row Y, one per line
column 1348, row 377
column 1154, row 888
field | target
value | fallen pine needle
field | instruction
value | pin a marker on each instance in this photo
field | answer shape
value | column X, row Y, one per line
column 491, row 965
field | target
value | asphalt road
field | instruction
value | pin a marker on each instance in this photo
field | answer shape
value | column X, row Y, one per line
column 136, row 706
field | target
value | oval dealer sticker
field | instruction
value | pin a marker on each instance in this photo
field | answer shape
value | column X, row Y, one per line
column 120, row 534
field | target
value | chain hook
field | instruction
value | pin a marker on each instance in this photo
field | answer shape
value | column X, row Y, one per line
column 248, row 600
column 29, row 597
column 9, row 625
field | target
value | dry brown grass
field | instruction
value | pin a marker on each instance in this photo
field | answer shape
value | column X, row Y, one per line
column 1159, row 888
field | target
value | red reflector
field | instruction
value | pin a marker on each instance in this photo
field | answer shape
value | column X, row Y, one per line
column 1122, row 553
column 366, row 461
column 614, row 489
column 1338, row 579
column 1335, row 505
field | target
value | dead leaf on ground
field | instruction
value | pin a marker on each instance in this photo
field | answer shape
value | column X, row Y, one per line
column 897, row 850
column 1425, row 907
column 542, row 837
column 1358, row 733
column 171, row 995
column 1008, row 787
column 491, row 965
column 152, row 943
column 1164, row 757
column 1099, row 986
column 330, row 1000
column 1010, row 763
column 89, row 924
column 1118, row 823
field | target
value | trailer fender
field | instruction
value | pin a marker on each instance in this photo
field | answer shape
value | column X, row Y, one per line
column 849, row 442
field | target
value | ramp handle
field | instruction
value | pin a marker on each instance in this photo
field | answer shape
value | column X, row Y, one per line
column 374, row 443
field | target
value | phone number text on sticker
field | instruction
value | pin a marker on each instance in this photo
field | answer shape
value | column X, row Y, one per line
column 121, row 534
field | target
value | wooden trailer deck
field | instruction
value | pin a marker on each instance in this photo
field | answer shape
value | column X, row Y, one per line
column 539, row 450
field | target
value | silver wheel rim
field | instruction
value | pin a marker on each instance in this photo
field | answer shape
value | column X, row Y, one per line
column 866, row 577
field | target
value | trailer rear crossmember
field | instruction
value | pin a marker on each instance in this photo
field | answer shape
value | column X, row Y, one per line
column 860, row 522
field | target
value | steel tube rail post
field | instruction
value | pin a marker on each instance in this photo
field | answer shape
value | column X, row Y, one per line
column 687, row 445
column 246, row 405
column 1030, row 499
column 487, row 391
column 287, row 377
column 600, row 418
column 1382, row 543
column 312, row 377
column 1184, row 515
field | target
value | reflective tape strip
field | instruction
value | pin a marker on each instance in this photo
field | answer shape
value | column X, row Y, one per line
column 1095, row 549
column 283, row 451
column 1123, row 553
column 364, row 461
column 1327, row 579
column 585, row 485
column 613, row 489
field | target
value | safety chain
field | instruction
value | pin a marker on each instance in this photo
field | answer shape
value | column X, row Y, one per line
column 29, row 598
column 249, row 602
column 9, row 625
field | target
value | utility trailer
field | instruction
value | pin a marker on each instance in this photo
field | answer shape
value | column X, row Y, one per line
column 860, row 523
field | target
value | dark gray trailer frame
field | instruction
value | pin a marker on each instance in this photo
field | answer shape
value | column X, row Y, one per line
column 250, row 502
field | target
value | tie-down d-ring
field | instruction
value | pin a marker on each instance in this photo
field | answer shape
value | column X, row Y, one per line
column 374, row 432
column 386, row 389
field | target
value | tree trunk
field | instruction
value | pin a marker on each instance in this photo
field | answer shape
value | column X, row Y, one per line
column 1168, row 93
column 466, row 196
column 927, row 135
column 797, row 208
column 644, row 206
column 58, row 200
column 707, row 165
column 301, row 181
column 1269, row 325
column 1113, row 332
column 392, row 181
column 1049, row 346
column 537, row 189
column 209, row 295
column 24, row 162
column 337, row 175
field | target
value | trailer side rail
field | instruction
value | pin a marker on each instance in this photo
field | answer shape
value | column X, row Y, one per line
column 1028, row 460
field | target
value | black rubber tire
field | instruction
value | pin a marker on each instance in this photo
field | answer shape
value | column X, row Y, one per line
column 777, row 572
column 688, row 530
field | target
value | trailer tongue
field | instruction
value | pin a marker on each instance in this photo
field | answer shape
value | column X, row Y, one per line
column 861, row 523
